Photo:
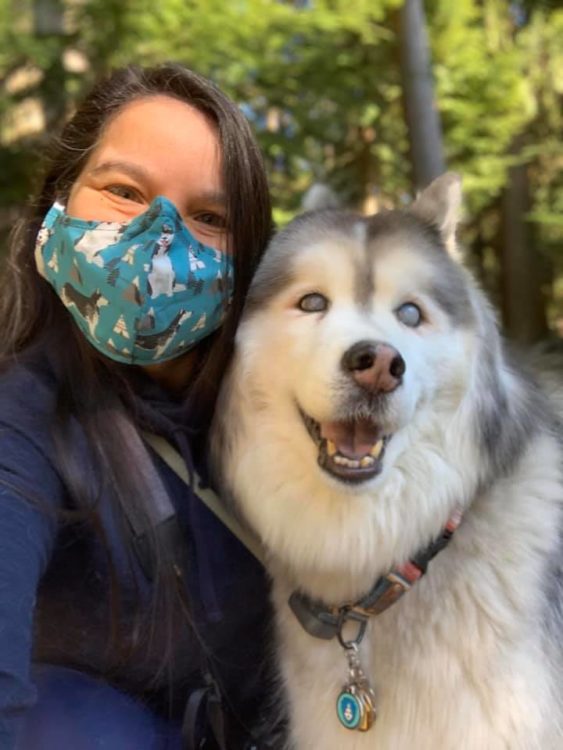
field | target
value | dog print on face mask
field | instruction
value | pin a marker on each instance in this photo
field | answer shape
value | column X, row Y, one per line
column 161, row 277
column 43, row 236
column 88, row 307
column 95, row 240
column 158, row 342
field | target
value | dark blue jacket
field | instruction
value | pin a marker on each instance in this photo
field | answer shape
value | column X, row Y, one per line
column 56, row 583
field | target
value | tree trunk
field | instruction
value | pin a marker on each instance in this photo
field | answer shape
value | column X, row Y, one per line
column 421, row 114
column 523, row 269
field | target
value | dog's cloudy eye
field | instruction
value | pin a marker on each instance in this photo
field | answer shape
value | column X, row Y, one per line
column 314, row 302
column 409, row 314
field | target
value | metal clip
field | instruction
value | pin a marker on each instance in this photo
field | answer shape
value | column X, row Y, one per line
column 349, row 614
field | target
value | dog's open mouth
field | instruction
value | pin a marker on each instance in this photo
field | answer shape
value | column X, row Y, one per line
column 351, row 450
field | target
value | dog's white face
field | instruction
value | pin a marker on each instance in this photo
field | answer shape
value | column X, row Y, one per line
column 358, row 342
column 346, row 398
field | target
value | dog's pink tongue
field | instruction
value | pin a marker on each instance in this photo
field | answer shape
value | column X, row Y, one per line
column 352, row 439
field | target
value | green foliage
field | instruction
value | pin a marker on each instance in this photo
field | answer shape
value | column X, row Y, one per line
column 500, row 91
column 320, row 81
column 312, row 79
column 30, row 73
column 541, row 45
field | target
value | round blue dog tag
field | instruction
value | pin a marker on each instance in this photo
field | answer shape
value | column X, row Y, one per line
column 349, row 710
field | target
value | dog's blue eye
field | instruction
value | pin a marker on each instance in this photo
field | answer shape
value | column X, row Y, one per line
column 409, row 314
column 314, row 302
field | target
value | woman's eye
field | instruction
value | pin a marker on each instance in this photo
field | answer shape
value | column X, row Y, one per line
column 212, row 220
column 409, row 314
column 124, row 191
column 313, row 302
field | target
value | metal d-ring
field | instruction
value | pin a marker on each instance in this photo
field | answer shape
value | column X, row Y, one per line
column 347, row 614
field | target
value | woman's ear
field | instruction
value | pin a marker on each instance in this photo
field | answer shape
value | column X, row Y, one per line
column 440, row 205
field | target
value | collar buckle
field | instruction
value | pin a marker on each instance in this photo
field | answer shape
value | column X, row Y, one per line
column 388, row 589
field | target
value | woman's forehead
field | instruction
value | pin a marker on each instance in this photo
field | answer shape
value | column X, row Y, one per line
column 163, row 136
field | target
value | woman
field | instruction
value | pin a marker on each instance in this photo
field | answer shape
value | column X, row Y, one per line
column 119, row 304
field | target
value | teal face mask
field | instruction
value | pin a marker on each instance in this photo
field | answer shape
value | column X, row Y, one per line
column 142, row 291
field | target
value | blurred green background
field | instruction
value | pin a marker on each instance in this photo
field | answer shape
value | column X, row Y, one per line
column 323, row 83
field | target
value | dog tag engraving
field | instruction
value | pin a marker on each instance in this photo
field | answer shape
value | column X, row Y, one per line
column 349, row 709
column 355, row 706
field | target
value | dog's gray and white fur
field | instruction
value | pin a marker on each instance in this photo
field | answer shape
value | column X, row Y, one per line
column 472, row 657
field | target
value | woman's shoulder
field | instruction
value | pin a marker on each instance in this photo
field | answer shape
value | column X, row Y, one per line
column 28, row 394
column 28, row 389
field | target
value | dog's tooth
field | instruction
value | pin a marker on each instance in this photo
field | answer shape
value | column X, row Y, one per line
column 367, row 461
column 330, row 448
column 376, row 450
column 350, row 463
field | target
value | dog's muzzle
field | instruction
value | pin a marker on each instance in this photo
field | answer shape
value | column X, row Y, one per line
column 351, row 451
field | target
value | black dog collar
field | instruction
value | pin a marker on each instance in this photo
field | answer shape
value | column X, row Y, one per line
column 326, row 622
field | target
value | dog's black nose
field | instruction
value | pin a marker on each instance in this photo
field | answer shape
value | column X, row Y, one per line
column 375, row 366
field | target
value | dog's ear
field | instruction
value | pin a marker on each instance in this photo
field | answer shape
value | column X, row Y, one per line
column 440, row 204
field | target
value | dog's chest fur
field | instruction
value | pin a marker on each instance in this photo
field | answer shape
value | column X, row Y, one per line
column 458, row 662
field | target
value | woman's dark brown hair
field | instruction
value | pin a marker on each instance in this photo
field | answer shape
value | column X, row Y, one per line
column 33, row 319
column 28, row 307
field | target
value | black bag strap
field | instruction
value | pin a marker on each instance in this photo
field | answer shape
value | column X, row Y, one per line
column 159, row 509
column 175, row 461
column 204, row 707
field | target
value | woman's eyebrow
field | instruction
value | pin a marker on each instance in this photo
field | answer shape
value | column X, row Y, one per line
column 213, row 197
column 134, row 171
column 137, row 172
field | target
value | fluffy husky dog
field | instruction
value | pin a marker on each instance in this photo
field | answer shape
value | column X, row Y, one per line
column 369, row 405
